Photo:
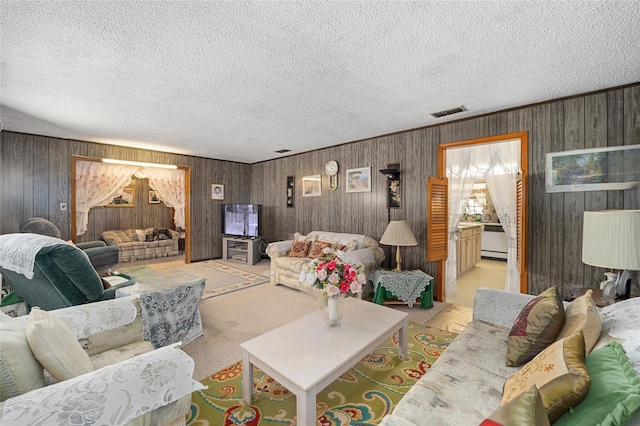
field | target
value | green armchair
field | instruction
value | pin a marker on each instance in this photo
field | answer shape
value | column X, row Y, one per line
column 100, row 254
column 62, row 277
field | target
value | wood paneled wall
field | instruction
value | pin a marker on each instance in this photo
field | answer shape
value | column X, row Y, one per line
column 609, row 118
column 36, row 178
column 36, row 172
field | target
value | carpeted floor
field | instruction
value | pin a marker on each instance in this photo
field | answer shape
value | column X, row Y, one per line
column 361, row 396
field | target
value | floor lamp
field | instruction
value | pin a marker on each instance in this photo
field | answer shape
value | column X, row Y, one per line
column 611, row 239
column 398, row 234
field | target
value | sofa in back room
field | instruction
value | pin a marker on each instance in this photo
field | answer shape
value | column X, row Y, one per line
column 136, row 244
column 471, row 379
column 286, row 268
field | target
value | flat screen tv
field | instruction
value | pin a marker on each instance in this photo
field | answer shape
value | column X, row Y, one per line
column 242, row 220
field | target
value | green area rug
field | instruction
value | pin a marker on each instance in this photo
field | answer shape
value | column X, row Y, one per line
column 361, row 396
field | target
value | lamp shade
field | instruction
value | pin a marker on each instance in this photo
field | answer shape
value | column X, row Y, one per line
column 398, row 233
column 611, row 239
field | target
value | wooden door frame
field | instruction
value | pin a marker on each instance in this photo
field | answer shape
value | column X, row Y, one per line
column 187, row 202
column 524, row 166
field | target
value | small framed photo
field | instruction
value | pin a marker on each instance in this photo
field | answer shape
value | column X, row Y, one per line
column 291, row 190
column 126, row 198
column 153, row 197
column 217, row 191
column 358, row 180
column 312, row 186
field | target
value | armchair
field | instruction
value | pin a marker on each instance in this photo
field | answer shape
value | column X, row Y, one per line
column 100, row 254
column 62, row 277
column 132, row 384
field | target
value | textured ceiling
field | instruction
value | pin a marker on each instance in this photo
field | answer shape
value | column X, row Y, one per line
column 240, row 80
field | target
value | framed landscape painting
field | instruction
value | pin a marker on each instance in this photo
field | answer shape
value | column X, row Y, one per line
column 358, row 180
column 594, row 169
column 312, row 186
column 126, row 198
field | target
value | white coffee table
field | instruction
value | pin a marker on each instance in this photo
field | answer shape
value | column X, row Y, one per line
column 305, row 357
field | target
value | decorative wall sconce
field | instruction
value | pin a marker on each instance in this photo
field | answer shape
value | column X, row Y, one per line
column 392, row 173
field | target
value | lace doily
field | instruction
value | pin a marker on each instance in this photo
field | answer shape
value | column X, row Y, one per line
column 405, row 285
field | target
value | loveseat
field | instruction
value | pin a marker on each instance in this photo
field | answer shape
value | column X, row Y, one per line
column 465, row 385
column 285, row 269
column 125, row 382
column 149, row 243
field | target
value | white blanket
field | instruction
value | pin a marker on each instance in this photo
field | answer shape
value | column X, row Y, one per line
column 18, row 251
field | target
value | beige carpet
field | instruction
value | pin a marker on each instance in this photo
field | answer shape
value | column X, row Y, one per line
column 233, row 318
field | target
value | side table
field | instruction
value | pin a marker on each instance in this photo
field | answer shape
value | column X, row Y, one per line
column 393, row 287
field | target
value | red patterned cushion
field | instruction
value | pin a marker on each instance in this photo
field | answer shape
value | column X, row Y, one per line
column 318, row 247
column 299, row 249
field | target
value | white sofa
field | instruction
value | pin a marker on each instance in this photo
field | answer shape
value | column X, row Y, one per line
column 465, row 385
column 286, row 270
column 132, row 383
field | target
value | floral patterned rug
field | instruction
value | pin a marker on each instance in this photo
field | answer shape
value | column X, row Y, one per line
column 361, row 396
column 243, row 279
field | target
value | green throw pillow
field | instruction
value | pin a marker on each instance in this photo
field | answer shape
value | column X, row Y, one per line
column 615, row 390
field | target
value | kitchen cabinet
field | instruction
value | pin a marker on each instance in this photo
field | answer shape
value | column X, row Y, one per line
column 468, row 247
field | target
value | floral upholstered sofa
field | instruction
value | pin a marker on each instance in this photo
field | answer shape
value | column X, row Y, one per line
column 98, row 369
column 471, row 384
column 287, row 265
column 136, row 244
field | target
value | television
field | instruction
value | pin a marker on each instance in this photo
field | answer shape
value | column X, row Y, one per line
column 242, row 220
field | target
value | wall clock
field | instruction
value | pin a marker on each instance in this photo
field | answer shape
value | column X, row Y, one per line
column 331, row 168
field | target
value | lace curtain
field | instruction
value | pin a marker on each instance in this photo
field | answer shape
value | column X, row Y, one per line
column 96, row 184
column 498, row 164
column 170, row 186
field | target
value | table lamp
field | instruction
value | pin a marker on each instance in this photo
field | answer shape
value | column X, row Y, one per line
column 398, row 234
column 611, row 239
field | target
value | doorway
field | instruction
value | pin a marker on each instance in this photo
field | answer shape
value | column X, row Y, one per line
column 437, row 222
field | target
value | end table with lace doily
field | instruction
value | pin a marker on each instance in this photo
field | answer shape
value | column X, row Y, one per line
column 408, row 287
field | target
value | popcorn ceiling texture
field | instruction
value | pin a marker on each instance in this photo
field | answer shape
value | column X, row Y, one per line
column 239, row 80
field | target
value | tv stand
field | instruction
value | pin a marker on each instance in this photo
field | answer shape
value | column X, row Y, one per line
column 241, row 249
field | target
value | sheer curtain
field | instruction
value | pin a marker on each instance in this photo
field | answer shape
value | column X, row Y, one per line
column 170, row 186
column 498, row 164
column 96, row 184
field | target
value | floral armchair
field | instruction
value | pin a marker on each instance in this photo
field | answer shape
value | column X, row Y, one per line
column 129, row 382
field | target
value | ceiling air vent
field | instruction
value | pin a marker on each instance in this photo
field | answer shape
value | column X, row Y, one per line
column 282, row 151
column 449, row 111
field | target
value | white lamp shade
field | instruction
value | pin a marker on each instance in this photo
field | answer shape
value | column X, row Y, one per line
column 611, row 239
column 398, row 233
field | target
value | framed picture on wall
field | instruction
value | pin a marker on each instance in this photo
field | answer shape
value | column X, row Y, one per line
column 359, row 180
column 312, row 186
column 291, row 190
column 153, row 197
column 126, row 198
column 217, row 191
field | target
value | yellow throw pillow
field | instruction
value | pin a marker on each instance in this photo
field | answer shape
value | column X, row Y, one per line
column 559, row 373
column 537, row 326
column 55, row 347
column 526, row 409
column 582, row 315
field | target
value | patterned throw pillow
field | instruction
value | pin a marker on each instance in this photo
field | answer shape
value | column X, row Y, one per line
column 582, row 315
column 317, row 249
column 55, row 347
column 299, row 249
column 525, row 409
column 559, row 373
column 537, row 326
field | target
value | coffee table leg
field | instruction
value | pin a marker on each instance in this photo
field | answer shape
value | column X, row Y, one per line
column 247, row 377
column 306, row 408
column 402, row 340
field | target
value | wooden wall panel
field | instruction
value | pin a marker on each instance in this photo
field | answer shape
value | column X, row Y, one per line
column 35, row 180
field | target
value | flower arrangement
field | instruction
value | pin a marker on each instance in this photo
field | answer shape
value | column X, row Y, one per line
column 334, row 275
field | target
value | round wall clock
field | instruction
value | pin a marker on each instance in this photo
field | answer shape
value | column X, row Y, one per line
column 331, row 168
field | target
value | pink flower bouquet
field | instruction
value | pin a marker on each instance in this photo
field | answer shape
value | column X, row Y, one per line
column 332, row 274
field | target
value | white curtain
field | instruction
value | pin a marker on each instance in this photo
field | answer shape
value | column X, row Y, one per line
column 498, row 164
column 170, row 186
column 96, row 184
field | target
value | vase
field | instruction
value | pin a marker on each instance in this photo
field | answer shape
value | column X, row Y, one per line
column 332, row 310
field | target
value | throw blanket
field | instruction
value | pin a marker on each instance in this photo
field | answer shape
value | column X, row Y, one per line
column 18, row 251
